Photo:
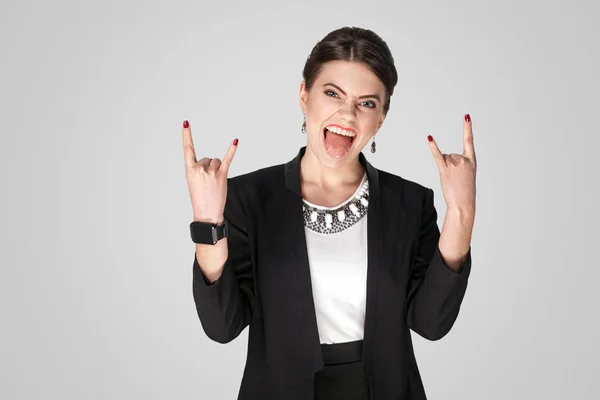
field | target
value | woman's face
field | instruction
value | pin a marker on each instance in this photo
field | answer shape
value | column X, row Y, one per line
column 348, row 99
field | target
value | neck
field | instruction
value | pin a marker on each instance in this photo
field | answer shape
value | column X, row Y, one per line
column 312, row 171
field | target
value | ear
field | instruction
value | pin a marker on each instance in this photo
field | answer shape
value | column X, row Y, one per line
column 303, row 96
column 381, row 119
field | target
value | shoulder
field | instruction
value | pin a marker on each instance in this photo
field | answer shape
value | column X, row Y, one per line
column 260, row 181
column 399, row 193
column 395, row 184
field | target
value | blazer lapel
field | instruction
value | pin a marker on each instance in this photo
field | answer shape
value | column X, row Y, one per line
column 296, row 237
column 374, row 249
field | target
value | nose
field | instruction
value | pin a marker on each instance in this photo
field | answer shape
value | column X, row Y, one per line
column 348, row 110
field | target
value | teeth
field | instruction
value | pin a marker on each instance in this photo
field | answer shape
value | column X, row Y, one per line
column 340, row 131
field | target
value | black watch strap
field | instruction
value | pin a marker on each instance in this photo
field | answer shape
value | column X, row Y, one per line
column 208, row 233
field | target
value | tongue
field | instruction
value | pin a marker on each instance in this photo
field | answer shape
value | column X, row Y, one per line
column 337, row 145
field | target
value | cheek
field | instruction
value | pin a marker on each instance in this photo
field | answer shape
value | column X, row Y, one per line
column 322, row 110
column 369, row 124
column 319, row 118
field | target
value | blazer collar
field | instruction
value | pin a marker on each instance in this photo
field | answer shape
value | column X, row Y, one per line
column 292, row 174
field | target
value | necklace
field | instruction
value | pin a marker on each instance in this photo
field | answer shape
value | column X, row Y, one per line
column 329, row 220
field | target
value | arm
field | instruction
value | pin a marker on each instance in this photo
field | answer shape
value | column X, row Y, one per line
column 224, row 296
column 435, row 290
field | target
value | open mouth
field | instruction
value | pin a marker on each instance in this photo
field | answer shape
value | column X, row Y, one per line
column 337, row 140
column 347, row 136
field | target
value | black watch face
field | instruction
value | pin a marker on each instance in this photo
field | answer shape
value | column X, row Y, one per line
column 202, row 233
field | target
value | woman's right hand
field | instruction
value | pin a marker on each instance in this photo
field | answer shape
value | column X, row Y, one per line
column 207, row 180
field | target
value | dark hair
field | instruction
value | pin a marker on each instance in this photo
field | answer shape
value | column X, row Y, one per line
column 354, row 44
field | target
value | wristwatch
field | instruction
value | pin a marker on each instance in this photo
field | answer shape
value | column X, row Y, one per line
column 208, row 233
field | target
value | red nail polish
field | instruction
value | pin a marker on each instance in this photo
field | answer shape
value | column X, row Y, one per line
column 186, row 124
column 235, row 142
column 467, row 118
column 430, row 138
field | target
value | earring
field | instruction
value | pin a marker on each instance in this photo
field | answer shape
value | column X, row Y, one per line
column 373, row 149
column 304, row 125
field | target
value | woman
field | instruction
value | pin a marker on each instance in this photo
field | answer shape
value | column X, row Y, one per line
column 328, row 260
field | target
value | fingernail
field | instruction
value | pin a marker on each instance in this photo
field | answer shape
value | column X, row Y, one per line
column 186, row 124
column 467, row 118
column 430, row 138
column 235, row 142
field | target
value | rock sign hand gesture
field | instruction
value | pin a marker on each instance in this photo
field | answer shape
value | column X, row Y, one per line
column 457, row 172
column 207, row 180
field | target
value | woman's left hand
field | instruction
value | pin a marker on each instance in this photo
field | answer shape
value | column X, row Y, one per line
column 457, row 172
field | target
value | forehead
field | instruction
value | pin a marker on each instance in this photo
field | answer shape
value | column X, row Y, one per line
column 354, row 77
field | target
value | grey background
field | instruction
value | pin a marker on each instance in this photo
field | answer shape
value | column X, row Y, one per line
column 95, row 287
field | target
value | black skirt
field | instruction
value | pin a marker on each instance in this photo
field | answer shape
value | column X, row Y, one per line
column 341, row 377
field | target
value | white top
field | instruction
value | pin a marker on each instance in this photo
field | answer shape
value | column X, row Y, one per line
column 337, row 252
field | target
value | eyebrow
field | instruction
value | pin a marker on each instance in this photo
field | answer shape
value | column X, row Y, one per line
column 374, row 96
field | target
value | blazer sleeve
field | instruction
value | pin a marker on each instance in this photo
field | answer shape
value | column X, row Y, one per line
column 225, row 307
column 435, row 292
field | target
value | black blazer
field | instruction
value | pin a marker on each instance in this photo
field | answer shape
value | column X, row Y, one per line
column 266, row 284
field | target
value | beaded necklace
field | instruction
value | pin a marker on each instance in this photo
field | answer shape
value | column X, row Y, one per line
column 328, row 220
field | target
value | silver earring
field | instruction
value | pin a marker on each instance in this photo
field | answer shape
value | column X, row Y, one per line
column 304, row 125
column 373, row 149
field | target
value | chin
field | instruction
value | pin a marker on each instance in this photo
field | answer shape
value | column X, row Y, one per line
column 335, row 161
